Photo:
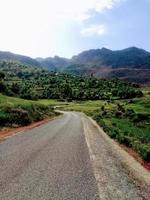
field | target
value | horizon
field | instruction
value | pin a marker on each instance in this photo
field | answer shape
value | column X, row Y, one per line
column 75, row 54
column 66, row 28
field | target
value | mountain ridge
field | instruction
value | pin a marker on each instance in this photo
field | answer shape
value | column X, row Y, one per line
column 6, row 55
column 104, row 63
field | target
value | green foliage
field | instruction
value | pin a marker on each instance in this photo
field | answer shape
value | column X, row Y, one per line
column 19, row 112
column 2, row 87
column 34, row 83
column 2, row 75
column 126, row 121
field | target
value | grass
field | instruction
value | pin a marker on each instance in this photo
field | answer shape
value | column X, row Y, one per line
column 129, row 124
column 127, row 121
column 15, row 112
column 51, row 102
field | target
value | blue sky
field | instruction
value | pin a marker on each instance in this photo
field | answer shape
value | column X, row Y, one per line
column 43, row 28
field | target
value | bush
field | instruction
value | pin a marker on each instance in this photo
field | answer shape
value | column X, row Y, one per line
column 120, row 107
column 3, row 118
column 126, row 140
column 118, row 114
column 23, row 114
column 102, row 108
column 113, row 133
column 142, row 149
column 19, row 116
column 130, row 113
column 141, row 117
column 2, row 87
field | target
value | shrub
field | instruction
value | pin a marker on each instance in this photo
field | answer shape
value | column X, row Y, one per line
column 143, row 150
column 141, row 117
column 118, row 114
column 104, row 113
column 113, row 133
column 126, row 140
column 102, row 108
column 130, row 113
column 23, row 114
column 2, row 87
column 3, row 118
column 121, row 108
column 19, row 116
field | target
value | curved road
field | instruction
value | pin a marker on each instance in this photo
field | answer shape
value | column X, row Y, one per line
column 52, row 162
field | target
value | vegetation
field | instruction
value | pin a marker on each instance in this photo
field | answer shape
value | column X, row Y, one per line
column 129, row 58
column 127, row 121
column 16, row 112
column 33, row 83
column 23, row 59
column 125, row 64
column 119, row 107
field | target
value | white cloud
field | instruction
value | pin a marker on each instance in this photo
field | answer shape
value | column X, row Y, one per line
column 35, row 26
column 52, row 10
column 94, row 30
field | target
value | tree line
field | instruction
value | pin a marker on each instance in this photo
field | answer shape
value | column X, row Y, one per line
column 33, row 83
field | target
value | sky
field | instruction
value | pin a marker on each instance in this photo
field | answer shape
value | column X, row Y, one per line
column 44, row 28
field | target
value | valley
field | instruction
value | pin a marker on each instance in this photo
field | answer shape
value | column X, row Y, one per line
column 124, row 64
column 30, row 97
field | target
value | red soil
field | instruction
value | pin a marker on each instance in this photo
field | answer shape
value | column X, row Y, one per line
column 136, row 156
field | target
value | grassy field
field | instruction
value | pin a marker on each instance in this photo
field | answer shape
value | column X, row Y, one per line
column 52, row 102
column 15, row 112
column 127, row 121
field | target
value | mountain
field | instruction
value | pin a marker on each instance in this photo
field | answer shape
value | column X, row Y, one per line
column 20, row 58
column 130, row 57
column 132, row 64
column 54, row 64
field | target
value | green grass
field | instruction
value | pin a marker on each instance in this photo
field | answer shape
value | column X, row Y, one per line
column 131, row 129
column 52, row 102
column 16, row 112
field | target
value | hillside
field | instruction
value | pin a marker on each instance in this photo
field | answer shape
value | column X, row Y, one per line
column 16, row 112
column 121, row 111
column 20, row 58
column 130, row 57
column 33, row 83
column 54, row 64
column 124, row 64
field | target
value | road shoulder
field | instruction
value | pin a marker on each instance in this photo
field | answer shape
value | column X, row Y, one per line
column 105, row 152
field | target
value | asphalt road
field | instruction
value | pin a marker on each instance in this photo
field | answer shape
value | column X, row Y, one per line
column 48, row 162
column 68, row 158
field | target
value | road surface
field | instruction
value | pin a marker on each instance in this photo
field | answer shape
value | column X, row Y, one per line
column 53, row 162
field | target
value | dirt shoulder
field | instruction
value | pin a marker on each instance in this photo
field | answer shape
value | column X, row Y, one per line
column 119, row 175
column 136, row 156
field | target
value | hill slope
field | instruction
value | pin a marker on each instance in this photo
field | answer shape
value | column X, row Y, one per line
column 125, row 64
column 15, row 57
column 54, row 64
column 130, row 57
column 33, row 83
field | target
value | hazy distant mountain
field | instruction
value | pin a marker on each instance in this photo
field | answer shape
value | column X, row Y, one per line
column 130, row 57
column 55, row 63
column 15, row 57
column 131, row 64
